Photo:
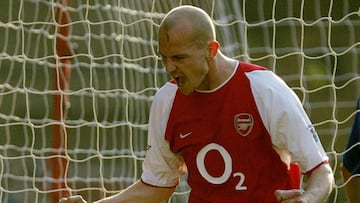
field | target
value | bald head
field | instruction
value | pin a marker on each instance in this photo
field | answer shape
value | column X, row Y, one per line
column 189, row 20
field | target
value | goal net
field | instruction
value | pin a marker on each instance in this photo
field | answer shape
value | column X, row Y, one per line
column 77, row 78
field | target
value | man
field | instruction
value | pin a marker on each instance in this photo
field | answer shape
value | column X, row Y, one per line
column 235, row 128
column 351, row 161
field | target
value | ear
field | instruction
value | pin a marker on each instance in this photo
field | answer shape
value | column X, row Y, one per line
column 213, row 48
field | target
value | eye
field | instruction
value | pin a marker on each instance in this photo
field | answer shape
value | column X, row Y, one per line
column 162, row 58
column 178, row 58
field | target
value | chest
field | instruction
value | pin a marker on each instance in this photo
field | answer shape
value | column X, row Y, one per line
column 228, row 117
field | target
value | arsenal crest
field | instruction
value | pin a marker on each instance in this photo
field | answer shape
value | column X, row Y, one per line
column 243, row 123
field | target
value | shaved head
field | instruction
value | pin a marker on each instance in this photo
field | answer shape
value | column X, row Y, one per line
column 189, row 20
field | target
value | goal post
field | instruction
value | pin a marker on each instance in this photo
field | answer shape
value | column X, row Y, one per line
column 58, row 164
column 96, row 145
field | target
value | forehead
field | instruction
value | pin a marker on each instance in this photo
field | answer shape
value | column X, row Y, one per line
column 175, row 39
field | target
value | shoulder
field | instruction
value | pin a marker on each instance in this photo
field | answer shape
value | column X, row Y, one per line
column 166, row 93
column 260, row 75
column 271, row 94
column 265, row 83
column 248, row 67
column 162, row 104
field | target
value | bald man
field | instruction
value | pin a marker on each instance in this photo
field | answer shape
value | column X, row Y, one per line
column 237, row 129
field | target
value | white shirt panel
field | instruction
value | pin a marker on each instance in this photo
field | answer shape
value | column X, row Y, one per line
column 161, row 166
column 285, row 119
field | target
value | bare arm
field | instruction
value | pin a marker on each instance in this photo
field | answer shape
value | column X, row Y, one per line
column 318, row 187
column 319, row 184
column 136, row 193
column 140, row 192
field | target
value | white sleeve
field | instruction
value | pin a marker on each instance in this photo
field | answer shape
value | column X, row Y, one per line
column 286, row 121
column 161, row 166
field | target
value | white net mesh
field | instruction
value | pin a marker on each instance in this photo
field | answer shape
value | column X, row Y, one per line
column 115, row 71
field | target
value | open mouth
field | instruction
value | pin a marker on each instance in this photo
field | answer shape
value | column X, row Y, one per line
column 180, row 81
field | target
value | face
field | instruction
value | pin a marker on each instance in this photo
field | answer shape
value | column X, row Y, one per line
column 183, row 60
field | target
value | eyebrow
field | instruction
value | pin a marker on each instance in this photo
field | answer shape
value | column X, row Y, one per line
column 175, row 55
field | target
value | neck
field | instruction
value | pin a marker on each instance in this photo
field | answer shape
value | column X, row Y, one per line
column 220, row 69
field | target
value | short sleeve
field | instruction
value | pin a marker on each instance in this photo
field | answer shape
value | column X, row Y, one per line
column 286, row 121
column 161, row 166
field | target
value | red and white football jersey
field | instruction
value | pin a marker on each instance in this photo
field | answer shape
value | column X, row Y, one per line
column 225, row 138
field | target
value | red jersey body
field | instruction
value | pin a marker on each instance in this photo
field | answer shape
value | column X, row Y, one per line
column 236, row 142
column 226, row 148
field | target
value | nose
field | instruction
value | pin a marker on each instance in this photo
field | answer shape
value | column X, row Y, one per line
column 170, row 67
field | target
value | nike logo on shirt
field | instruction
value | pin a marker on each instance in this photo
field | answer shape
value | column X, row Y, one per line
column 182, row 136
